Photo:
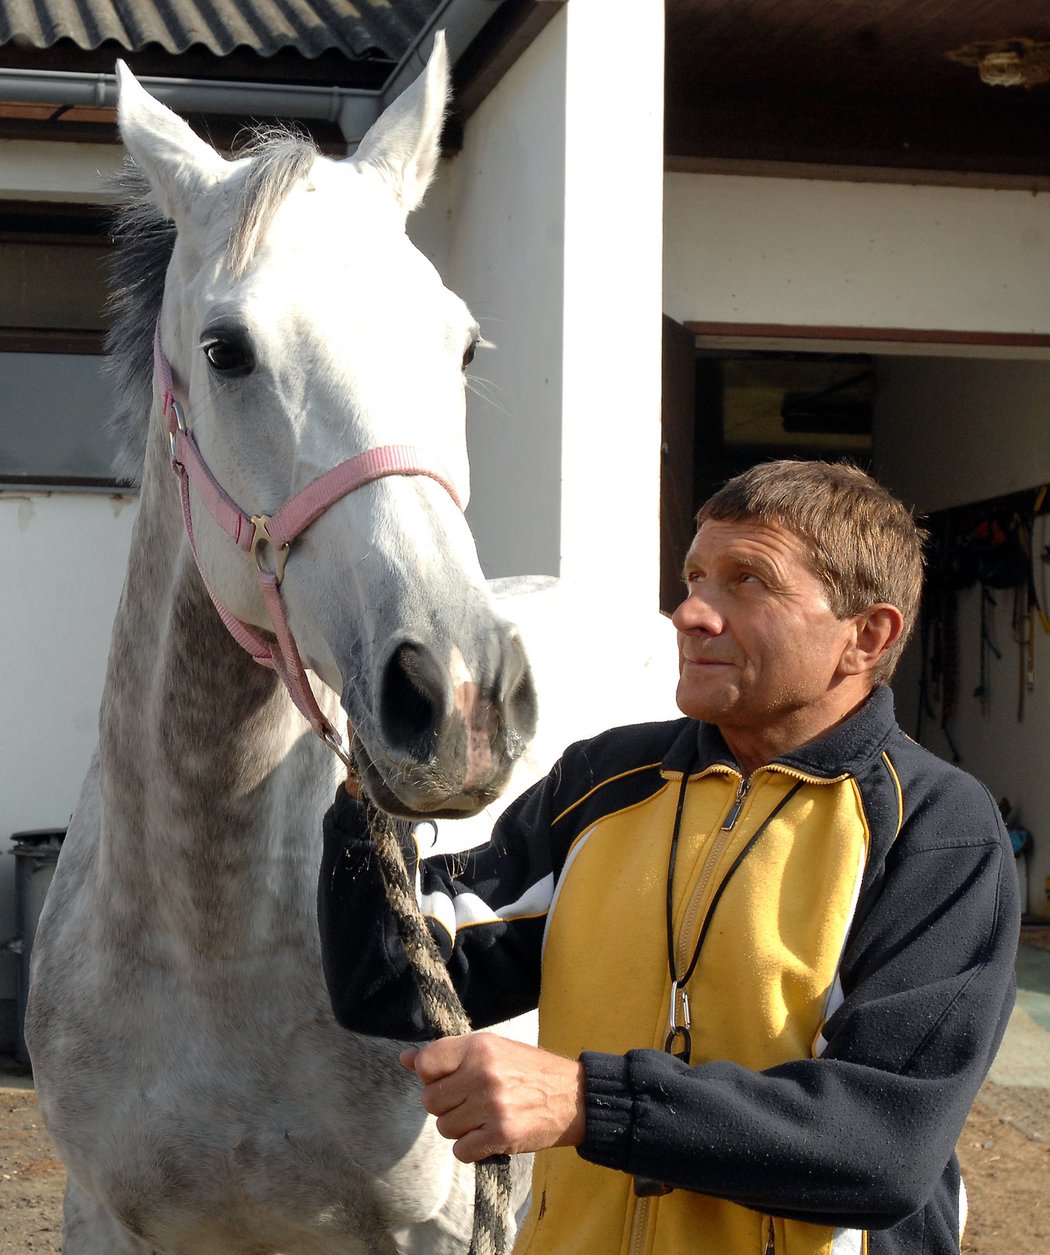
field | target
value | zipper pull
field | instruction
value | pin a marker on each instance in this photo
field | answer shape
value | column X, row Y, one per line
column 741, row 793
column 771, row 1241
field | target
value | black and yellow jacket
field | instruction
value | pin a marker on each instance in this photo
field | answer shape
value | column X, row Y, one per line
column 853, row 911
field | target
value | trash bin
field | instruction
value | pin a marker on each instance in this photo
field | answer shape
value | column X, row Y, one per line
column 36, row 853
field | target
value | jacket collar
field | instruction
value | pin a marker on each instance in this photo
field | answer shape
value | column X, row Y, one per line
column 845, row 750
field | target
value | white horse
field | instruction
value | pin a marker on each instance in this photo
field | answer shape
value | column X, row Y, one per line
column 189, row 1070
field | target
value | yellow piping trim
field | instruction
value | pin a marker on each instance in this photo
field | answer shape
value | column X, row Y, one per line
column 444, row 928
column 795, row 774
column 900, row 794
column 499, row 919
column 601, row 785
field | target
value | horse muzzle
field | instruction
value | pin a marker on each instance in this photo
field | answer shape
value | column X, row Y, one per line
column 444, row 737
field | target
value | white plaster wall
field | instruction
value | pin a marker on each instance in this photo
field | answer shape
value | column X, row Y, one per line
column 954, row 430
column 57, row 172
column 62, row 561
column 561, row 265
column 503, row 204
column 801, row 251
column 610, row 453
column 948, row 432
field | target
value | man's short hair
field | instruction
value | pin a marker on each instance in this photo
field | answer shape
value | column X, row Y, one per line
column 864, row 546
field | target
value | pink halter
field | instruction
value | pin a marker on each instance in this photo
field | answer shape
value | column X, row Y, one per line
column 256, row 533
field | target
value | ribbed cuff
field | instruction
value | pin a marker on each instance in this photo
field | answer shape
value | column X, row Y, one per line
column 609, row 1110
column 347, row 814
column 348, row 824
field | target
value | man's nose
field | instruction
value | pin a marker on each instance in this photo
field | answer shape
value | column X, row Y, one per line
column 697, row 613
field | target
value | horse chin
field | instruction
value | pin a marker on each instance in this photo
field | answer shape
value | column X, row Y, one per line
column 425, row 798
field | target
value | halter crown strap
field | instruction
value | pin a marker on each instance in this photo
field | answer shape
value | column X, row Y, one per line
column 277, row 532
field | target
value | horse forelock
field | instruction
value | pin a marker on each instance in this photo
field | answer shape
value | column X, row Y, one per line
column 279, row 159
column 145, row 238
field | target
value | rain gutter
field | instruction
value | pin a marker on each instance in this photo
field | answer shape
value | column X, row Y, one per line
column 352, row 109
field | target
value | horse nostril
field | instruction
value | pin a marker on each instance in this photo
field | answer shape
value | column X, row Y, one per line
column 412, row 705
column 520, row 704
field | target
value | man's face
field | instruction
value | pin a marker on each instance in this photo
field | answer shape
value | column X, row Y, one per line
column 759, row 648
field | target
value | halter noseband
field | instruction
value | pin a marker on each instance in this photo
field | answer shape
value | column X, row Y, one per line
column 262, row 533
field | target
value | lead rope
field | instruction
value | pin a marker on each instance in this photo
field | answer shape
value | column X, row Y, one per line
column 445, row 1017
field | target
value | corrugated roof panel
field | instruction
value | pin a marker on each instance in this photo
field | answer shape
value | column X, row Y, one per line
column 310, row 27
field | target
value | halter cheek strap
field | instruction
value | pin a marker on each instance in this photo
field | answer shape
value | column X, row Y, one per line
column 269, row 537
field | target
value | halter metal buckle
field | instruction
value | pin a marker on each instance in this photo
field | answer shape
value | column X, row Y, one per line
column 331, row 739
column 180, row 428
column 262, row 537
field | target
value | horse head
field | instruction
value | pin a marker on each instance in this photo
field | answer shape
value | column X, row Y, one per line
column 300, row 329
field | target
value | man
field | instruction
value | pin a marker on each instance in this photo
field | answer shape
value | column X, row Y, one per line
column 771, row 943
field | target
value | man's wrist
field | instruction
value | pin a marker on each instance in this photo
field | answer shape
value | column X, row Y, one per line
column 608, row 1109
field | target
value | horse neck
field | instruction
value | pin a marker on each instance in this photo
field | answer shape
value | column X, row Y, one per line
column 212, row 784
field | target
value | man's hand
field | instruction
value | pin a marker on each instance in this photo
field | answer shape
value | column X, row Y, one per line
column 493, row 1096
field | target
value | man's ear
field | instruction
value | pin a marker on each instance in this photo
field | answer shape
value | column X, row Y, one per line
column 878, row 629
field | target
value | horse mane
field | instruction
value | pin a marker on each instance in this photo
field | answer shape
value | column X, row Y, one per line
column 145, row 239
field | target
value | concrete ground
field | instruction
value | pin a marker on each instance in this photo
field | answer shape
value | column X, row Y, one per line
column 1018, row 1086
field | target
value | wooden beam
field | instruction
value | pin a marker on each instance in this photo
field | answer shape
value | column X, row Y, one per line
column 19, row 340
column 876, row 335
column 502, row 40
column 911, row 176
column 987, row 135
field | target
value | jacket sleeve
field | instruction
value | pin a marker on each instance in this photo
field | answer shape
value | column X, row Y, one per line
column 485, row 909
column 861, row 1136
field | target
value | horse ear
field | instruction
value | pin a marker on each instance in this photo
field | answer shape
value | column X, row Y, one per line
column 404, row 144
column 178, row 164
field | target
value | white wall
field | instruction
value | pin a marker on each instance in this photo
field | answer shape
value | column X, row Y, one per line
column 501, row 202
column 57, row 172
column 954, row 430
column 949, row 432
column 802, row 251
column 559, row 257
column 62, row 560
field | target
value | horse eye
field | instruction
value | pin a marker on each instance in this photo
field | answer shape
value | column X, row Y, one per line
column 468, row 356
column 228, row 357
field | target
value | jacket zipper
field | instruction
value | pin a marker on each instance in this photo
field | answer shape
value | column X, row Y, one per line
column 771, row 1240
column 742, row 790
column 639, row 1224
column 640, row 1219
